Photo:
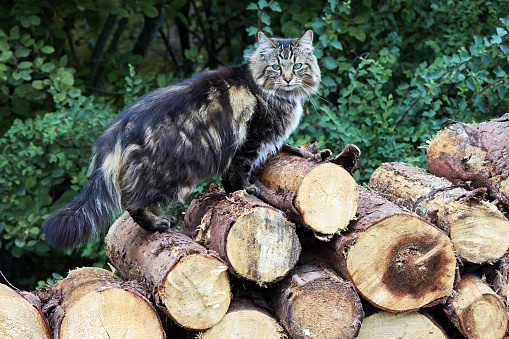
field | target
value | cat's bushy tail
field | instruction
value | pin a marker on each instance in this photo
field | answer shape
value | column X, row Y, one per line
column 88, row 214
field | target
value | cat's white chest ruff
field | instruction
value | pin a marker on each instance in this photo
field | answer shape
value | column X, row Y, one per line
column 271, row 147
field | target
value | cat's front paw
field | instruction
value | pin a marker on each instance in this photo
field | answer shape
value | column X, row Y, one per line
column 253, row 189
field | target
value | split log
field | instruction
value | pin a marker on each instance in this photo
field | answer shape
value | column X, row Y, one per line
column 254, row 238
column 20, row 319
column 245, row 320
column 476, row 310
column 319, row 195
column 400, row 325
column 94, row 303
column 314, row 302
column 395, row 259
column 189, row 283
column 479, row 231
column 476, row 154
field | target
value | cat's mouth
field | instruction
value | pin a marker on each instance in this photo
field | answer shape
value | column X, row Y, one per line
column 289, row 87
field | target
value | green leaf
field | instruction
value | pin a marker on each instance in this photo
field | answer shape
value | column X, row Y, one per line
column 150, row 11
column 5, row 56
column 336, row 44
column 34, row 20
column 262, row 3
column 329, row 63
column 63, row 61
column 499, row 72
column 501, row 91
column 495, row 39
column 22, row 52
column 252, row 6
column 48, row 67
column 47, row 49
column 486, row 60
column 38, row 84
column 4, row 45
column 501, row 32
column 24, row 65
column 274, row 5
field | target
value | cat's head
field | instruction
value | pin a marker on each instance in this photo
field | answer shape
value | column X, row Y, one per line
column 285, row 67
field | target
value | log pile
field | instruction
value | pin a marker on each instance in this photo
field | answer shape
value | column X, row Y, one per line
column 315, row 255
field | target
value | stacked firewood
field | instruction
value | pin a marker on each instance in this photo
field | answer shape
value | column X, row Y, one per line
column 412, row 254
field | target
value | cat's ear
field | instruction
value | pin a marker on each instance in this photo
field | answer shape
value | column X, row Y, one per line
column 306, row 40
column 265, row 42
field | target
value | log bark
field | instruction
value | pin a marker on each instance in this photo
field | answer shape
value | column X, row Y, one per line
column 476, row 310
column 314, row 302
column 473, row 154
column 245, row 320
column 94, row 303
column 189, row 283
column 400, row 325
column 501, row 280
column 395, row 259
column 320, row 195
column 479, row 231
column 20, row 319
column 255, row 239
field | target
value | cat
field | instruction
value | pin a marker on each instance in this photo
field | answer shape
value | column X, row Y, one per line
column 220, row 122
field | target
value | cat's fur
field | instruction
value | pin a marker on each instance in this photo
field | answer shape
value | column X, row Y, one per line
column 224, row 121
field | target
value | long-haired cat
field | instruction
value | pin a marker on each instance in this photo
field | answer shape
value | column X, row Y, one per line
column 224, row 121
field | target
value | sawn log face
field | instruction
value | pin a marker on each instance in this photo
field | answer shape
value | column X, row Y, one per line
column 479, row 231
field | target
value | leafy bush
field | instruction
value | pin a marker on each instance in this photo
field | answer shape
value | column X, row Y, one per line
column 393, row 73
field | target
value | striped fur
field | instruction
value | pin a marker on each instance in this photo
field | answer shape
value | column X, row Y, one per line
column 224, row 122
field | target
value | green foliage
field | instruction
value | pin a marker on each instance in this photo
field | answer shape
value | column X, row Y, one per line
column 43, row 158
column 393, row 73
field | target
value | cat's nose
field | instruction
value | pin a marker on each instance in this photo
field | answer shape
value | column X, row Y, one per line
column 287, row 80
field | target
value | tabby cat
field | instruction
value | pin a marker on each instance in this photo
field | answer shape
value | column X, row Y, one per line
column 224, row 121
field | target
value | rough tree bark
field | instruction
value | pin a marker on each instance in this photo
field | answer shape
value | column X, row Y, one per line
column 479, row 231
column 320, row 195
column 245, row 320
column 400, row 325
column 149, row 31
column 395, row 260
column 314, row 302
column 476, row 310
column 20, row 319
column 189, row 283
column 94, row 303
column 254, row 238
column 501, row 280
column 476, row 154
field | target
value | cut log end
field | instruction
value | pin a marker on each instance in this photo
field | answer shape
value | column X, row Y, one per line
column 262, row 245
column 476, row 310
column 338, row 315
column 18, row 318
column 196, row 291
column 402, row 263
column 400, row 325
column 111, row 313
column 484, row 318
column 482, row 231
column 328, row 204
column 97, row 305
column 245, row 320
column 480, row 224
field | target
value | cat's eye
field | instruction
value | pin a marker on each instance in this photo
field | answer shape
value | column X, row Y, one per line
column 297, row 66
column 276, row 67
